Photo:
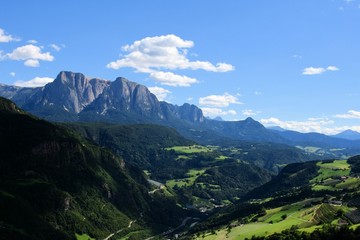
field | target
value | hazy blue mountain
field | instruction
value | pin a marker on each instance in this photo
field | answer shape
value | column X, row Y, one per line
column 317, row 140
column 348, row 134
column 277, row 128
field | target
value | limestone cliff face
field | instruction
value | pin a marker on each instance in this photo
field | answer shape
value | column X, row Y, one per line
column 73, row 96
column 70, row 91
column 187, row 112
column 125, row 96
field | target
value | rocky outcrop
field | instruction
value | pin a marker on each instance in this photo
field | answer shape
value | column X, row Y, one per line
column 70, row 91
column 124, row 96
column 73, row 96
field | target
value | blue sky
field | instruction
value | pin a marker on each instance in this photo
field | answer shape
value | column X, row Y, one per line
column 295, row 64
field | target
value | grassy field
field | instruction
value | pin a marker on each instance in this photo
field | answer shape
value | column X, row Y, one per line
column 301, row 214
column 349, row 183
column 83, row 237
column 192, row 175
column 190, row 149
column 337, row 168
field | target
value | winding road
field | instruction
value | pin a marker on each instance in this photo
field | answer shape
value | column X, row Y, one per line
column 119, row 231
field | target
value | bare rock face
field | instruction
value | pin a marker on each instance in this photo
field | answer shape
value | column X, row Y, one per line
column 125, row 96
column 67, row 201
column 186, row 112
column 72, row 91
column 73, row 96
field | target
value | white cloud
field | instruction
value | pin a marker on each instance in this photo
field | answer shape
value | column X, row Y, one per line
column 171, row 79
column 218, row 100
column 12, row 74
column 319, row 70
column 32, row 63
column 6, row 37
column 32, row 41
column 167, row 52
column 215, row 112
column 35, row 82
column 312, row 70
column 320, row 125
column 311, row 125
column 55, row 47
column 258, row 93
column 332, row 68
column 297, row 56
column 349, row 114
column 249, row 112
column 160, row 93
column 31, row 54
column 190, row 99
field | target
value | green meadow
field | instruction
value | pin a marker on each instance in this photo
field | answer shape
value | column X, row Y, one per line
column 303, row 215
column 190, row 149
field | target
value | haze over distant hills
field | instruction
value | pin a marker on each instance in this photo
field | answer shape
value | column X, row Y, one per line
column 75, row 97
column 348, row 134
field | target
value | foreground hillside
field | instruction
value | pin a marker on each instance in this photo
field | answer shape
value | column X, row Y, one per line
column 55, row 185
column 313, row 200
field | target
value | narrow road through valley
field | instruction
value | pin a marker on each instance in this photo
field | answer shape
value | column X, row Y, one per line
column 119, row 231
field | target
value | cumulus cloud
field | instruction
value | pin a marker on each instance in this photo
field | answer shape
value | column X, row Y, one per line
column 171, row 79
column 35, row 82
column 350, row 114
column 160, row 93
column 30, row 54
column 167, row 52
column 318, row 70
column 32, row 63
column 4, row 37
column 215, row 112
column 219, row 100
column 161, row 52
column 12, row 74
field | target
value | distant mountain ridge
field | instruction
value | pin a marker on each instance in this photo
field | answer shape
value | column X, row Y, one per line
column 74, row 97
column 348, row 134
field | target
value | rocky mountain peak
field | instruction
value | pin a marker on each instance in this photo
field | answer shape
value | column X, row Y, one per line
column 72, row 91
column 123, row 96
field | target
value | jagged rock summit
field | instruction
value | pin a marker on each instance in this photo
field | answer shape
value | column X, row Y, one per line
column 73, row 96
column 70, row 91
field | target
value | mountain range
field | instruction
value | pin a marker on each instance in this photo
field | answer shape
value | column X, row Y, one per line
column 74, row 97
